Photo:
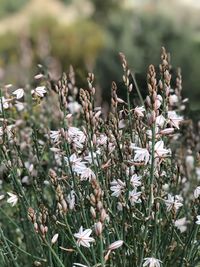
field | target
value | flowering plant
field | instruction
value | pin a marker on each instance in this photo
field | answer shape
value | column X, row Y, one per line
column 96, row 189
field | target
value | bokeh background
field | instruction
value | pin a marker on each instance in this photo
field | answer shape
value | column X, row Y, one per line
column 89, row 34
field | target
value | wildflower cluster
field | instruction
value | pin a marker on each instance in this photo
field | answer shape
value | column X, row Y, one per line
column 93, row 189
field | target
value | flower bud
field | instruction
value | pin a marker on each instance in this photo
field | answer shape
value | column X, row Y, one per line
column 115, row 245
column 98, row 228
column 54, row 239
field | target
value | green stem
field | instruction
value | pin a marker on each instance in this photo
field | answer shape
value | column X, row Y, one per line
column 54, row 254
column 150, row 204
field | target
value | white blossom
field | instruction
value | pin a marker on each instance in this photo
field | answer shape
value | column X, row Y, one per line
column 139, row 111
column 151, row 262
column 55, row 136
column 87, row 174
column 4, row 103
column 181, row 224
column 19, row 105
column 198, row 219
column 77, row 164
column 134, row 197
column 173, row 202
column 19, row 93
column 141, row 155
column 174, row 119
column 117, row 186
column 83, row 237
column 39, row 91
column 76, row 136
column 135, row 180
column 12, row 199
column 173, row 99
column 159, row 149
column 160, row 121
column 74, row 107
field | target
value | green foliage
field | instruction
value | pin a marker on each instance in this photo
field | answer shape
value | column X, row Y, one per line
column 140, row 36
column 10, row 6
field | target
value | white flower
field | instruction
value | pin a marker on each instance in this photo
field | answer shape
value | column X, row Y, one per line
column 181, row 224
column 115, row 245
column 55, row 136
column 2, row 197
column 198, row 219
column 87, row 173
column 19, row 93
column 4, row 102
column 151, row 262
column 76, row 136
column 139, row 111
column 174, row 119
column 159, row 149
column 7, row 130
column 134, row 197
column 149, row 132
column 74, row 107
column 173, row 202
column 83, row 237
column 141, row 154
column 19, row 105
column 160, row 121
column 173, row 99
column 74, row 132
column 12, row 199
column 197, row 192
column 39, row 91
column 135, row 180
column 117, row 186
column 77, row 164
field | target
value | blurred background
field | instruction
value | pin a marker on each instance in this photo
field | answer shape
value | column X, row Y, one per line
column 89, row 34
